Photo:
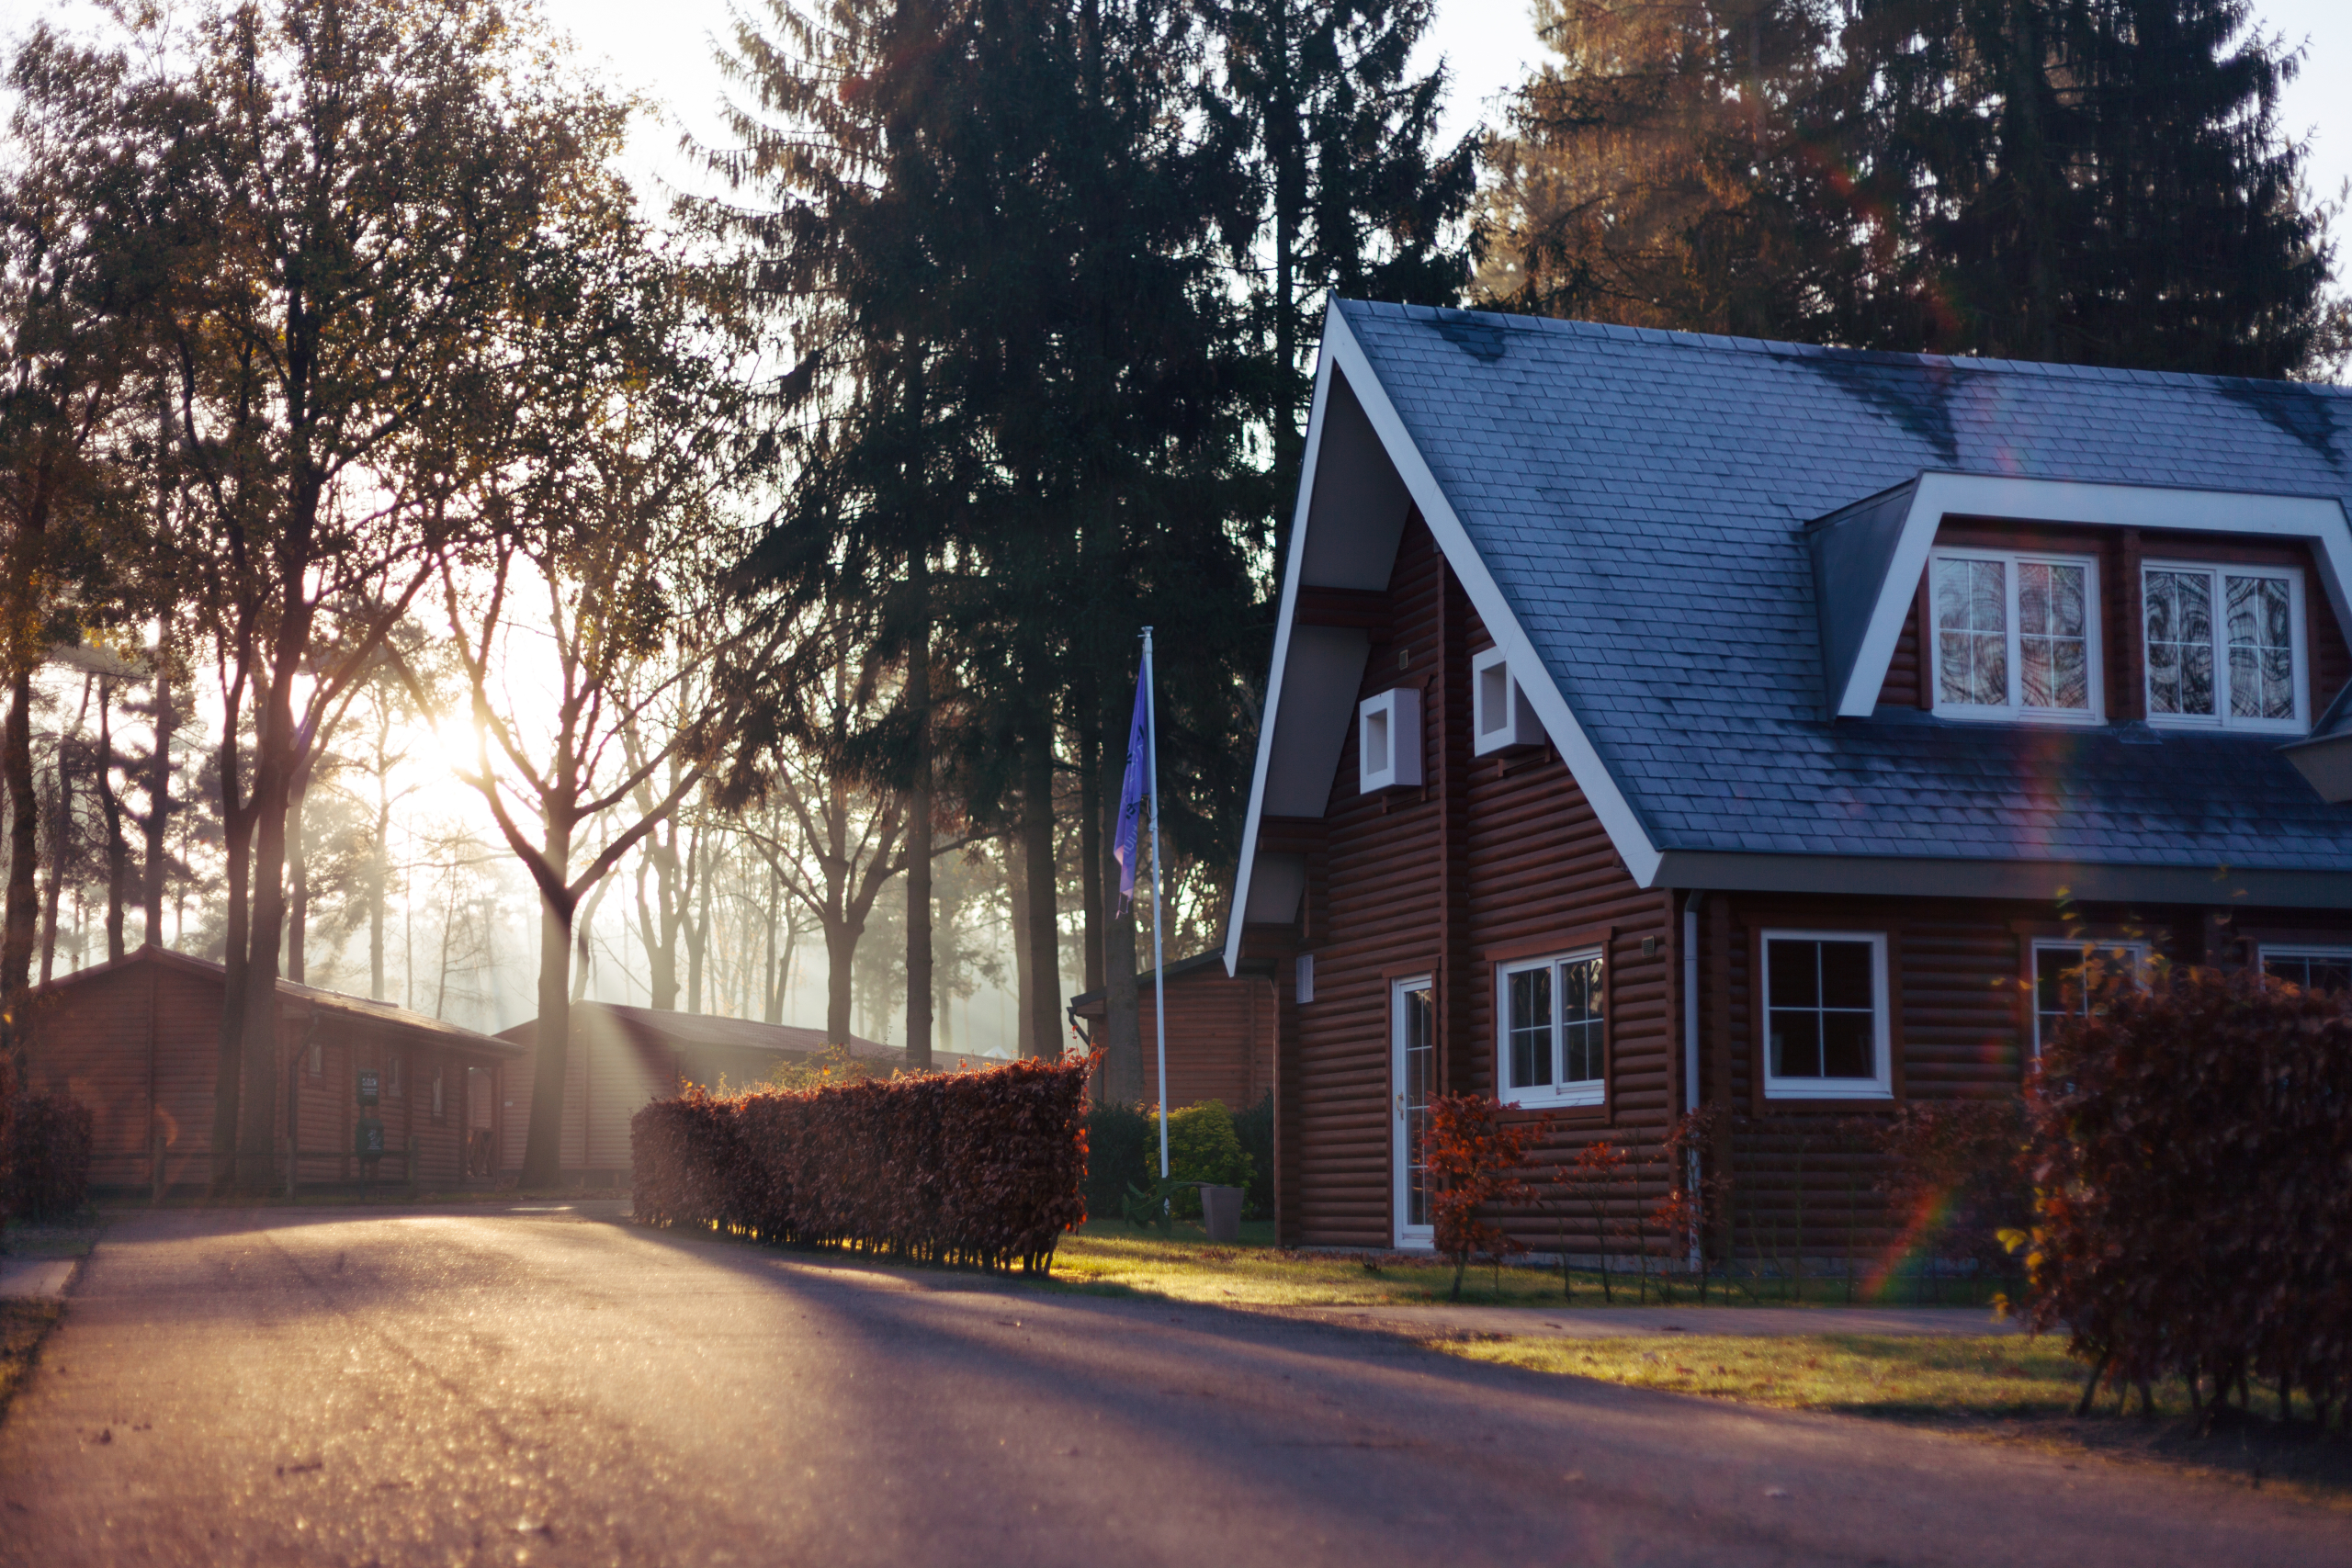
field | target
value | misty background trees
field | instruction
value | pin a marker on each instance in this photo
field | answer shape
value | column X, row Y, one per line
column 436, row 570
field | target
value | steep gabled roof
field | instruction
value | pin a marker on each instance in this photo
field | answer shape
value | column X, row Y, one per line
column 1630, row 513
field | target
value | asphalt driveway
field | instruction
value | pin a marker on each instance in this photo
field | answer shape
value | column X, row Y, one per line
column 555, row 1386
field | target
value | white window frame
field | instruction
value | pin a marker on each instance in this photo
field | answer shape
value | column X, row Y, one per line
column 2223, row 720
column 1880, row 1085
column 2015, row 709
column 1388, row 739
column 1500, row 719
column 2140, row 953
column 1581, row 1091
column 2265, row 952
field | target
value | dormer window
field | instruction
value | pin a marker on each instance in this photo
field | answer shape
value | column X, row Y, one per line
column 2016, row 635
column 2224, row 646
column 1388, row 739
column 1500, row 719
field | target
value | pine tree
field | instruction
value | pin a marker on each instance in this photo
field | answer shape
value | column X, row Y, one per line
column 2091, row 181
column 1664, row 172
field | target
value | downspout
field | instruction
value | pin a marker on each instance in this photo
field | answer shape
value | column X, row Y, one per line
column 1691, row 1054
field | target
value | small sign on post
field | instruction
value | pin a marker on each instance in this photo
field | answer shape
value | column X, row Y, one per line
column 368, row 1139
column 370, row 1086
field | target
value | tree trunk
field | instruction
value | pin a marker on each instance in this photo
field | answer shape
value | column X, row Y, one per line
column 23, row 914
column 237, row 856
column 298, row 904
column 159, row 804
column 1090, row 829
column 1123, row 1080
column 60, row 848
column 698, row 931
column 542, row 1148
column 380, row 879
column 1037, row 853
column 1016, row 887
column 276, row 754
column 919, row 940
column 110, row 809
column 840, row 954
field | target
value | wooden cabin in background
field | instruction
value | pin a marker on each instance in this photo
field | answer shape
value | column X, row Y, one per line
column 622, row 1057
column 1220, row 1033
column 1658, row 721
column 138, row 1041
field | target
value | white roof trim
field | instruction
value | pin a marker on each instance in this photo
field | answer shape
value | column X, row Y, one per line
column 2320, row 520
column 1237, row 915
column 1342, row 351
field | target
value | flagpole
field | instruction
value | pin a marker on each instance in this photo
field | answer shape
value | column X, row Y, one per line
column 1159, row 958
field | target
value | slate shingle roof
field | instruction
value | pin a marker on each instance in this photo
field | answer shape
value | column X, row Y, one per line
column 1640, row 497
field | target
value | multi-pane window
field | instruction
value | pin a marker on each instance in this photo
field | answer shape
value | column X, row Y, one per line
column 1826, row 1016
column 2224, row 645
column 1413, row 1045
column 2015, row 636
column 2066, row 975
column 392, row 1086
column 1552, row 1030
column 2313, row 968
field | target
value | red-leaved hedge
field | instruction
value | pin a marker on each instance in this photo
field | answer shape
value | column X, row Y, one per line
column 2193, row 1150
column 45, row 1156
column 984, row 1169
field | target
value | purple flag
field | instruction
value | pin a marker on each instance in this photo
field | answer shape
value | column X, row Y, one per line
column 1132, row 790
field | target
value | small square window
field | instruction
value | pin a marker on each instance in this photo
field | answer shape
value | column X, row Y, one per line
column 1553, row 1026
column 1388, row 739
column 1500, row 716
column 1825, row 1034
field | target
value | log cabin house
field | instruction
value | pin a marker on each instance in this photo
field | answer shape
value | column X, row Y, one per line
column 138, row 1041
column 1220, row 1033
column 622, row 1057
column 1658, row 720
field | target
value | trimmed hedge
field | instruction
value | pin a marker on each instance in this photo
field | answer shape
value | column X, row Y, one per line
column 46, row 1157
column 2193, row 1160
column 983, row 1169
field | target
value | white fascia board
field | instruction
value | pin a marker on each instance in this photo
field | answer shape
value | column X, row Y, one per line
column 2319, row 519
column 1269, row 710
column 1626, row 833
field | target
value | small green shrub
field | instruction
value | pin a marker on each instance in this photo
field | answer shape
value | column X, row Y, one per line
column 1122, row 1151
column 1204, row 1146
column 1255, row 1128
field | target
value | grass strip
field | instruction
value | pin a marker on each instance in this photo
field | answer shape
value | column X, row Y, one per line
column 25, row 1321
column 2006, row 1388
column 1856, row 1373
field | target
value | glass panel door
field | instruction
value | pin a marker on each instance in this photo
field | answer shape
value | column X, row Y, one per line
column 1413, row 1074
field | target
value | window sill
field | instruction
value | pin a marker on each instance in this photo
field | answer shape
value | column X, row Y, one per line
column 1960, row 714
column 1826, row 1089
column 2219, row 726
column 1592, row 1095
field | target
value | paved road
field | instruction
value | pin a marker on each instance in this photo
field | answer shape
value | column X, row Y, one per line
column 456, row 1387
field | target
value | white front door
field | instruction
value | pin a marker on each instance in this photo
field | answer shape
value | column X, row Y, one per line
column 1412, row 1070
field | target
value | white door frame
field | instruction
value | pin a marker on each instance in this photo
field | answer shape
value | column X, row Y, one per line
column 1405, row 1235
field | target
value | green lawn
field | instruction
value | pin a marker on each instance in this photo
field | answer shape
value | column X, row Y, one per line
column 1113, row 1256
column 1109, row 1256
column 1991, row 1374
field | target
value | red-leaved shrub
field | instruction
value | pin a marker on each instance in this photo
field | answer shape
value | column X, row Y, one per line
column 983, row 1169
column 46, row 1157
column 1473, row 1159
column 2193, row 1150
